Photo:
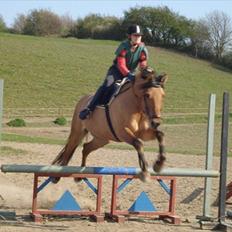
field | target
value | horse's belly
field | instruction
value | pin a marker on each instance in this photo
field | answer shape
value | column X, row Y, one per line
column 97, row 125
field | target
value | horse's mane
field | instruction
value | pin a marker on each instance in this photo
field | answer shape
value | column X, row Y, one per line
column 151, row 83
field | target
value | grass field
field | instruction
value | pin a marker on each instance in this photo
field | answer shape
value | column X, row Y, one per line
column 183, row 138
column 54, row 72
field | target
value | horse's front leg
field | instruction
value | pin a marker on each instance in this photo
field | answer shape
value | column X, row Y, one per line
column 158, row 165
column 138, row 145
column 129, row 137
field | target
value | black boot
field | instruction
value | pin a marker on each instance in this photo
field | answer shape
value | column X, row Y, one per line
column 84, row 113
column 92, row 105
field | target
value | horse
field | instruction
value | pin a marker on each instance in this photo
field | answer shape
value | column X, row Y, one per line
column 135, row 116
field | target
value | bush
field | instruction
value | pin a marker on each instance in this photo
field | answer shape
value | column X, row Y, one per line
column 60, row 121
column 42, row 23
column 18, row 122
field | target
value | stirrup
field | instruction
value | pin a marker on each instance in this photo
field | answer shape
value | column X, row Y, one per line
column 84, row 114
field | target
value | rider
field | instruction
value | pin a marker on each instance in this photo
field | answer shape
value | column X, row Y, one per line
column 130, row 53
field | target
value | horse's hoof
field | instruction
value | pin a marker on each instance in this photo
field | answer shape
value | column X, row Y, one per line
column 144, row 176
column 157, row 167
column 55, row 180
column 78, row 180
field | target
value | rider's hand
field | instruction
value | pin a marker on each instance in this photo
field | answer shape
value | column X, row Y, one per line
column 131, row 76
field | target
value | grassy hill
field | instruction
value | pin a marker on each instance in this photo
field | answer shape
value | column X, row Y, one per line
column 54, row 72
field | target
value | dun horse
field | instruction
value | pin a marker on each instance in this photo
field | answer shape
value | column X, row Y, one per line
column 135, row 116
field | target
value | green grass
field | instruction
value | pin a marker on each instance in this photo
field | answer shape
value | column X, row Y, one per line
column 183, row 138
column 41, row 72
column 191, row 118
column 30, row 139
column 6, row 151
column 54, row 72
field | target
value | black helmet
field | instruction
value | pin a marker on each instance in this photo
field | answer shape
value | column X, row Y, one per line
column 134, row 29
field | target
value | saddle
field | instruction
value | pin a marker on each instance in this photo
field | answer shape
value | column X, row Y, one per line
column 111, row 93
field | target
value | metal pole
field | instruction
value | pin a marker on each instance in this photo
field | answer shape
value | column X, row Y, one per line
column 223, row 161
column 1, row 106
column 209, row 155
column 49, row 170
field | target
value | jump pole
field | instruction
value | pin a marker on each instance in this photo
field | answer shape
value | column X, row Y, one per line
column 52, row 169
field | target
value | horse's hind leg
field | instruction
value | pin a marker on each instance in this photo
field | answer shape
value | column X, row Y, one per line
column 67, row 152
column 75, row 137
column 93, row 145
column 161, row 158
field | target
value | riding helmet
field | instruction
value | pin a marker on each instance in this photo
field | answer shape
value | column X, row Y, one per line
column 134, row 30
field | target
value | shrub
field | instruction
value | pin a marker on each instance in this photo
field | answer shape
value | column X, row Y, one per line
column 18, row 122
column 60, row 121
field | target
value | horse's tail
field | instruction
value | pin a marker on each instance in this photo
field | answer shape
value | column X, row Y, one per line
column 67, row 152
column 78, row 132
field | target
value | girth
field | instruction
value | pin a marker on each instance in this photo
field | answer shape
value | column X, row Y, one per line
column 110, row 122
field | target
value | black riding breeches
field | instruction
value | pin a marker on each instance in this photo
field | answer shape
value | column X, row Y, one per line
column 105, row 90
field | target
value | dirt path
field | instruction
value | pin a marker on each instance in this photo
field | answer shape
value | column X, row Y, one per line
column 16, row 191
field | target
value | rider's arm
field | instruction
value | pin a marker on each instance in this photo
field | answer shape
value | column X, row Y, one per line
column 143, row 60
column 121, row 63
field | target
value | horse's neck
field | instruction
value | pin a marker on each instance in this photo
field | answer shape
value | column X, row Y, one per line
column 129, row 100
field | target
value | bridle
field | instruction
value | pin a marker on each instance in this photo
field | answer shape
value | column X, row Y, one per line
column 154, row 84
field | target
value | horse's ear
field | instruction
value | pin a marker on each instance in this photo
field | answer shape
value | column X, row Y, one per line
column 162, row 79
column 146, row 72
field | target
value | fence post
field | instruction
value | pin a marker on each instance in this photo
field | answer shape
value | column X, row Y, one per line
column 223, row 163
column 209, row 155
column 1, row 106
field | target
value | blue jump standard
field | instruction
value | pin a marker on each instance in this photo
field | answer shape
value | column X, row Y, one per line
column 106, row 170
column 142, row 203
column 66, row 202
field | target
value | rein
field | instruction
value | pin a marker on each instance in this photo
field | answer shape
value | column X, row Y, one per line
column 146, row 107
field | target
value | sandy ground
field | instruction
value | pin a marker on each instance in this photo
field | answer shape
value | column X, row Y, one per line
column 16, row 191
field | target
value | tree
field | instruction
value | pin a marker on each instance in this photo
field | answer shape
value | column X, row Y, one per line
column 219, row 29
column 167, row 27
column 67, row 25
column 2, row 24
column 85, row 27
column 98, row 27
column 199, row 39
column 42, row 23
column 19, row 23
column 227, row 60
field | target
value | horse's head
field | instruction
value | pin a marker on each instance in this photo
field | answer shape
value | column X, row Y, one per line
column 149, row 88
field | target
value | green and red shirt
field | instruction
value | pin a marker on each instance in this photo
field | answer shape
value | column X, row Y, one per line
column 128, row 60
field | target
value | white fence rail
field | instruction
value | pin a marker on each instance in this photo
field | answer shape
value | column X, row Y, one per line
column 68, row 112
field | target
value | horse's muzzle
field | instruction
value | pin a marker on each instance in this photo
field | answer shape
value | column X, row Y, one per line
column 155, row 122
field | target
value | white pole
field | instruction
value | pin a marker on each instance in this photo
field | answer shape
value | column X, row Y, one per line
column 209, row 155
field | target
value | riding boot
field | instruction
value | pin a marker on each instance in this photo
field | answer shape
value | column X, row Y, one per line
column 93, row 103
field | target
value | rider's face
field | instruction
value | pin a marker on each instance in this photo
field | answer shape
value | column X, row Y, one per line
column 136, row 39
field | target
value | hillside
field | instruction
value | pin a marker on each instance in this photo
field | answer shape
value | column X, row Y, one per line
column 54, row 72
